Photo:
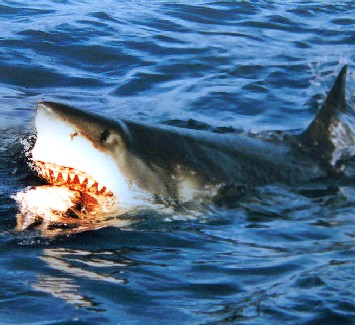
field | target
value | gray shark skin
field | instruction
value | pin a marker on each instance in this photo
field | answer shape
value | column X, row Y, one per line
column 160, row 159
column 98, row 168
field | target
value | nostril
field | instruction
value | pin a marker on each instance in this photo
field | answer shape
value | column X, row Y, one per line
column 73, row 135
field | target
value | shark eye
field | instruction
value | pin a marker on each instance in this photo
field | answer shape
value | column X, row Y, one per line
column 105, row 135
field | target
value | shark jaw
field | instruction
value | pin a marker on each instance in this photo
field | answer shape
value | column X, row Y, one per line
column 79, row 158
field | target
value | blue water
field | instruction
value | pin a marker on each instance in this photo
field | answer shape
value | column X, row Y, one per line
column 278, row 258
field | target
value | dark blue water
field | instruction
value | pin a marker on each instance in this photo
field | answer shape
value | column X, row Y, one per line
column 280, row 257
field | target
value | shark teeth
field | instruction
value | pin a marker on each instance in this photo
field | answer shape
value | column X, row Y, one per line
column 81, row 179
column 44, row 172
column 70, row 177
column 91, row 182
column 65, row 176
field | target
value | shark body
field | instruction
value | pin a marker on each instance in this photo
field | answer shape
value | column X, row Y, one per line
column 133, row 163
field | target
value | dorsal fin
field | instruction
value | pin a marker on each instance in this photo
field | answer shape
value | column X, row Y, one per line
column 327, row 133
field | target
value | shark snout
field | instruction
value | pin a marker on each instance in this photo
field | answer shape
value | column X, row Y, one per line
column 55, row 108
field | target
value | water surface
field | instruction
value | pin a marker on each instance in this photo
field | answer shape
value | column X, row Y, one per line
column 280, row 257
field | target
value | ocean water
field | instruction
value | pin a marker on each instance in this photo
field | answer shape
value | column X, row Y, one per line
column 279, row 257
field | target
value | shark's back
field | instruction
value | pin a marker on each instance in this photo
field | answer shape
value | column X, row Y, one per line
column 240, row 159
column 218, row 158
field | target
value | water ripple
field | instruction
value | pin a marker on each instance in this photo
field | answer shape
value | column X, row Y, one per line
column 282, row 255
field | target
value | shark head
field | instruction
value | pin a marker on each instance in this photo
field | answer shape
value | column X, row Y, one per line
column 86, row 153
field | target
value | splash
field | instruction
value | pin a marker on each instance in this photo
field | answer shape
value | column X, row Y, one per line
column 55, row 210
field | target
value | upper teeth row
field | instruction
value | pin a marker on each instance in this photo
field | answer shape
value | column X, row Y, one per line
column 52, row 172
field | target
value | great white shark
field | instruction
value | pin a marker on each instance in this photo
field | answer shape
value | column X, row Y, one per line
column 99, row 166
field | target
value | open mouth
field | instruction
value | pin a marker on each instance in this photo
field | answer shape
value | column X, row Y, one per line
column 73, row 201
column 70, row 177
